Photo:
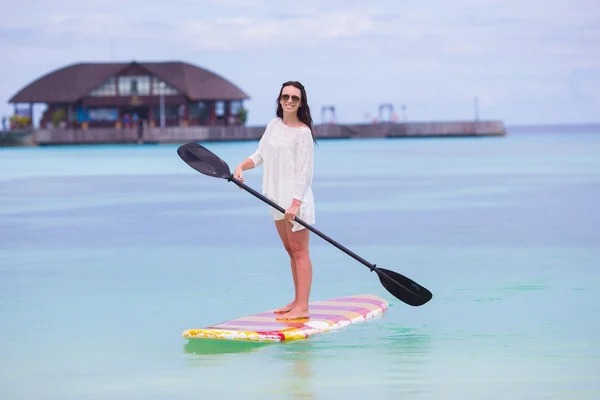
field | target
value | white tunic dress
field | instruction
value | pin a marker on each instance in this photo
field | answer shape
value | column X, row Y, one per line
column 287, row 155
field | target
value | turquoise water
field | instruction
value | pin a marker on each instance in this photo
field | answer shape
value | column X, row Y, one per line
column 108, row 253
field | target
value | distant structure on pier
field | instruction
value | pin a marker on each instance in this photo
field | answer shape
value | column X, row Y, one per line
column 117, row 95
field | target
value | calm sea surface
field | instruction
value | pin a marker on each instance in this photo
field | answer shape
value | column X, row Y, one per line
column 108, row 253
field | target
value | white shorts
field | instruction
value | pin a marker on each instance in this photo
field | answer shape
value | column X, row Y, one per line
column 306, row 213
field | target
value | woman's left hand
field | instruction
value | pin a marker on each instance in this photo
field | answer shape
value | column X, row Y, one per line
column 291, row 212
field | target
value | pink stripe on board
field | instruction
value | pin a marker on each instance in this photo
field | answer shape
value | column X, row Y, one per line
column 283, row 324
column 265, row 314
column 313, row 317
column 274, row 333
column 313, row 314
column 251, row 328
column 329, row 317
column 360, row 310
column 359, row 300
column 273, row 324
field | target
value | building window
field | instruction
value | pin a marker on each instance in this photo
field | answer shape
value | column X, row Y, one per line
column 109, row 88
column 197, row 110
column 97, row 114
column 171, row 112
column 161, row 87
column 220, row 108
column 234, row 107
column 134, row 85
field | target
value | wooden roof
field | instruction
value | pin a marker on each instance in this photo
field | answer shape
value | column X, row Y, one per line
column 73, row 82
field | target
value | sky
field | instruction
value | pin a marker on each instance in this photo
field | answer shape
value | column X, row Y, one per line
column 527, row 62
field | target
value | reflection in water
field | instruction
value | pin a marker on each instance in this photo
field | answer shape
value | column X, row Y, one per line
column 298, row 357
column 215, row 346
column 293, row 361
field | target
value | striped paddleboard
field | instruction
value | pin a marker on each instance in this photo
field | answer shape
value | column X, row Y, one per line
column 325, row 315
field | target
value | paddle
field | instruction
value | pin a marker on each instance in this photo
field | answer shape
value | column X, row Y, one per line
column 204, row 161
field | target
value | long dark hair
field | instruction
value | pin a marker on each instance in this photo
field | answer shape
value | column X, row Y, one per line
column 303, row 110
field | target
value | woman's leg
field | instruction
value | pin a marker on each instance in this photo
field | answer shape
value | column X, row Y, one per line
column 281, row 229
column 298, row 242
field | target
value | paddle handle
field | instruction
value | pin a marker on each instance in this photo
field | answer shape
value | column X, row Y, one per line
column 304, row 224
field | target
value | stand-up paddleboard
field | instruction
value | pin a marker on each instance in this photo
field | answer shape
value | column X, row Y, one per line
column 325, row 315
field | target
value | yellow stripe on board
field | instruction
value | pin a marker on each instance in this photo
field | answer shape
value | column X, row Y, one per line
column 294, row 335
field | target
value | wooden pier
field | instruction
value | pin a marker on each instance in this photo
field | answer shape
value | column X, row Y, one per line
column 57, row 136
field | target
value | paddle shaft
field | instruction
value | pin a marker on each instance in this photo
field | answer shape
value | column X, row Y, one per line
column 207, row 163
column 307, row 226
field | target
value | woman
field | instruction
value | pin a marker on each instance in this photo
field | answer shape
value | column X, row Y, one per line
column 287, row 151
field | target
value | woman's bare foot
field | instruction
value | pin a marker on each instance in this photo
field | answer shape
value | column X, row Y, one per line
column 285, row 309
column 295, row 313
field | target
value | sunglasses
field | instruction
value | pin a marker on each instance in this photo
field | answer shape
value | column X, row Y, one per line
column 286, row 97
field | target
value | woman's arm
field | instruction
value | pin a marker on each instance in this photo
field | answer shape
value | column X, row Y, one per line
column 305, row 158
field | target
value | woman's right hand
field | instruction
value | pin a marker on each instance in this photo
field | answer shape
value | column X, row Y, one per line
column 238, row 174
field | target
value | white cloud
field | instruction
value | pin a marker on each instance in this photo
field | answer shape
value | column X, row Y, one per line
column 465, row 28
column 236, row 33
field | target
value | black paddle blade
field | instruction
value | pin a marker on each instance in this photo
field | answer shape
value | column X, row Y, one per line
column 403, row 288
column 203, row 160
